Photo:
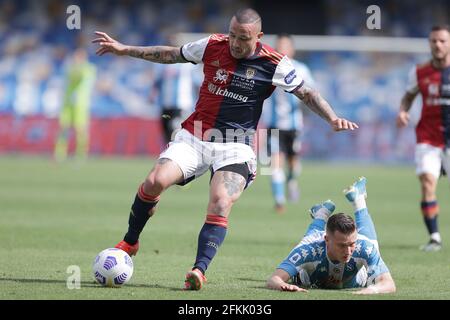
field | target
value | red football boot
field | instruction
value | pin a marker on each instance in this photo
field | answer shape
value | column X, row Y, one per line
column 194, row 280
column 128, row 248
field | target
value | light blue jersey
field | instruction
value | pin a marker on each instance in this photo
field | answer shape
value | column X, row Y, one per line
column 282, row 110
column 309, row 266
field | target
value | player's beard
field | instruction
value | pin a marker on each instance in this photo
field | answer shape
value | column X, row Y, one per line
column 237, row 53
column 440, row 55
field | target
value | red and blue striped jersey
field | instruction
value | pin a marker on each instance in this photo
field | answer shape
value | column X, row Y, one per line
column 434, row 85
column 233, row 90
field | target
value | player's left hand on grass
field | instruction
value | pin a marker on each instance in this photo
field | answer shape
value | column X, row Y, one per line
column 368, row 290
column 291, row 288
column 341, row 124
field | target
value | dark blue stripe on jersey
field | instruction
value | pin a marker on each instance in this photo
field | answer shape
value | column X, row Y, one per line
column 445, row 94
column 252, row 81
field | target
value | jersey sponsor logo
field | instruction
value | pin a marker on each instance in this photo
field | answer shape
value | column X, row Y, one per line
column 243, row 83
column 433, row 89
column 438, row 101
column 290, row 77
column 225, row 93
column 221, row 76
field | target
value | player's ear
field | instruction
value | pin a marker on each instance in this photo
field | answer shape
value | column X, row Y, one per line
column 259, row 35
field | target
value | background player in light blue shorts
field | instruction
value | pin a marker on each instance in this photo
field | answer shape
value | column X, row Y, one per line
column 346, row 255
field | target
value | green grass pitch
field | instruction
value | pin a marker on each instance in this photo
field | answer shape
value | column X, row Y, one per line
column 53, row 216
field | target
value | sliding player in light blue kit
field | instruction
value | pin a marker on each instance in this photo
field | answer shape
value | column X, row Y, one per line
column 346, row 255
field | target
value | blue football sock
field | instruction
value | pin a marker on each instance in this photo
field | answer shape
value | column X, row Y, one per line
column 139, row 215
column 209, row 240
column 431, row 223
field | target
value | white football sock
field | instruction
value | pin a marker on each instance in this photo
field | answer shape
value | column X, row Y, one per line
column 359, row 203
column 436, row 236
column 322, row 213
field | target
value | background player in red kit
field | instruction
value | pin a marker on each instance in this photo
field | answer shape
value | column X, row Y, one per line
column 240, row 72
column 432, row 81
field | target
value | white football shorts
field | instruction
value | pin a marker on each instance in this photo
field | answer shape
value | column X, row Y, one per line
column 195, row 157
column 430, row 158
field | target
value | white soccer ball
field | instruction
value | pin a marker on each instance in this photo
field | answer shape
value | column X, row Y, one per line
column 112, row 267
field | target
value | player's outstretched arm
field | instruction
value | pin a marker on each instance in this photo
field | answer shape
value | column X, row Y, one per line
column 405, row 105
column 319, row 105
column 159, row 54
column 383, row 284
column 278, row 282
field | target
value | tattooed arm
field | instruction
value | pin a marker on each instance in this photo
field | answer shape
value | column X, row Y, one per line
column 159, row 54
column 314, row 101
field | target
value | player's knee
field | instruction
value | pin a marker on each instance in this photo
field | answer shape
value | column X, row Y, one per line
column 428, row 183
column 222, row 205
column 154, row 184
column 427, row 180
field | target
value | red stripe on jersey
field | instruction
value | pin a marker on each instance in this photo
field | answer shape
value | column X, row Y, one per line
column 218, row 37
column 276, row 54
column 218, row 70
column 430, row 128
column 274, row 61
column 271, row 55
column 270, row 59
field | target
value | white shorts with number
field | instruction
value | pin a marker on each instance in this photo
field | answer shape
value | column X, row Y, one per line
column 430, row 158
column 195, row 157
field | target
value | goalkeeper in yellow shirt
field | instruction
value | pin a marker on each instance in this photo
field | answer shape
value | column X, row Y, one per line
column 80, row 80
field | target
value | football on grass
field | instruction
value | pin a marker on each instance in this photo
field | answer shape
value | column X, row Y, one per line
column 112, row 267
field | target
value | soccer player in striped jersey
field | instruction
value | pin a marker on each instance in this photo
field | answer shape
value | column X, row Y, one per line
column 240, row 72
column 432, row 81
column 282, row 111
column 337, row 252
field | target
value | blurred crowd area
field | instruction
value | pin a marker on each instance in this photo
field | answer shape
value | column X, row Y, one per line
column 35, row 47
